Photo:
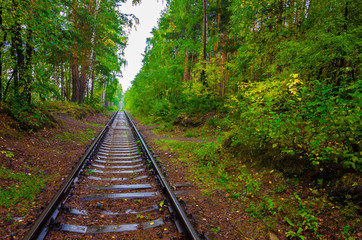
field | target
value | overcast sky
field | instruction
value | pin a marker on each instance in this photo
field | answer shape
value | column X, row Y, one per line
column 148, row 12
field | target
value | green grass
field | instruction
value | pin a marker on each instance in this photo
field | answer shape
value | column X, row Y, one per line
column 95, row 124
column 65, row 137
column 23, row 188
column 87, row 130
column 81, row 136
column 191, row 134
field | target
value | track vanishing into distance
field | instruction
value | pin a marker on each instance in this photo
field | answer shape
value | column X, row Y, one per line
column 116, row 191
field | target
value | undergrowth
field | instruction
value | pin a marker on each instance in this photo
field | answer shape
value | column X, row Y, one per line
column 35, row 116
column 269, row 197
column 29, row 117
column 22, row 188
column 75, row 110
column 80, row 136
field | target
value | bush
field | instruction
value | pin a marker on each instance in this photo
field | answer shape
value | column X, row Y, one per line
column 30, row 117
column 319, row 123
column 113, row 108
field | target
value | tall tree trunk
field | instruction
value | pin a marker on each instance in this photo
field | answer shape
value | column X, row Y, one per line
column 74, row 58
column 23, row 58
column 68, row 79
column 280, row 13
column 56, row 79
column 62, row 93
column 75, row 77
column 93, row 76
column 15, row 75
column 20, row 58
column 8, row 83
column 204, row 28
column 92, row 55
column 103, row 95
column 83, row 76
column 29, row 51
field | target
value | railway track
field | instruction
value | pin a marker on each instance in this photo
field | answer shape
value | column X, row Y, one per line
column 116, row 191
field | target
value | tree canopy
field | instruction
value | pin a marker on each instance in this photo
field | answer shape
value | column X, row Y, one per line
column 284, row 74
column 62, row 50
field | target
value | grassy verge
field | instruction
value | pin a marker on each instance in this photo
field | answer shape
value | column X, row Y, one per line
column 75, row 110
column 277, row 203
column 20, row 192
column 209, row 130
column 80, row 136
column 36, row 116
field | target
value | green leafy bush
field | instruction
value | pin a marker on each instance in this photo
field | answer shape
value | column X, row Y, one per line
column 30, row 117
column 319, row 123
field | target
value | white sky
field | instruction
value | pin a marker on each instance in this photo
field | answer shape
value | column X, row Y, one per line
column 148, row 12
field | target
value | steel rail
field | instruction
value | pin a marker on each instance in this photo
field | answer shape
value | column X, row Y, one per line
column 40, row 226
column 186, row 227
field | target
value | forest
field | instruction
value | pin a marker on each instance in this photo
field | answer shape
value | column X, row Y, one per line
column 279, row 84
column 54, row 50
column 283, row 75
column 268, row 91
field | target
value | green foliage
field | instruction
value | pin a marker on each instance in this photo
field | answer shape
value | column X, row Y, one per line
column 30, row 117
column 272, row 205
column 8, row 154
column 348, row 230
column 320, row 124
column 279, row 188
column 43, row 39
column 251, row 185
column 161, row 90
column 88, row 172
column 215, row 230
column 286, row 80
column 113, row 108
column 8, row 218
column 292, row 80
column 190, row 134
column 266, row 208
column 208, row 153
column 304, row 221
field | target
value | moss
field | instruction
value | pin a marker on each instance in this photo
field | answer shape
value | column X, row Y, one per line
column 74, row 110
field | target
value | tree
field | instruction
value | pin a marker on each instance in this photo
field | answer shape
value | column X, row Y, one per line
column 287, row 72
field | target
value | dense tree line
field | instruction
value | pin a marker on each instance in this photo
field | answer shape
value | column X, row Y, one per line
column 284, row 74
column 61, row 50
